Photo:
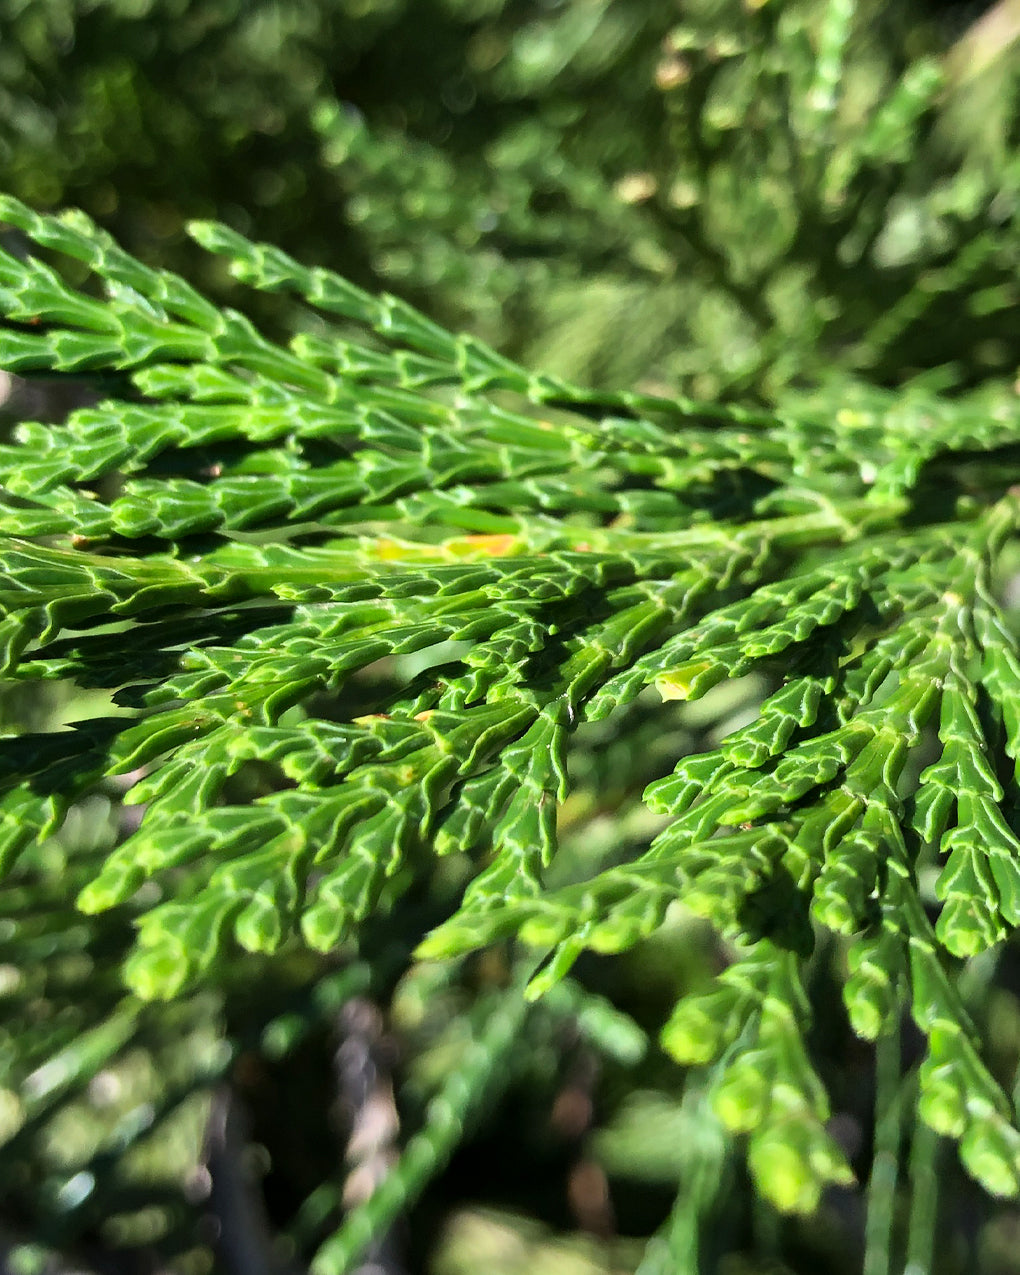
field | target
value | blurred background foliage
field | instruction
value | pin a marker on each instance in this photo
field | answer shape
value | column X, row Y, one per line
column 729, row 200
column 722, row 197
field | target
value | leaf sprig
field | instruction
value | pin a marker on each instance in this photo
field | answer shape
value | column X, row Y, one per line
column 247, row 546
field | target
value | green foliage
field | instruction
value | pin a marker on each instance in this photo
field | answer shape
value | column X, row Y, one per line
column 265, row 525
column 722, row 196
column 368, row 627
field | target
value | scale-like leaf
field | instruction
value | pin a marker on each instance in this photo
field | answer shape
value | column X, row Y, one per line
column 352, row 599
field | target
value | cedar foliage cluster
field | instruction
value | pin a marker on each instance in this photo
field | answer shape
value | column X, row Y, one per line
column 359, row 665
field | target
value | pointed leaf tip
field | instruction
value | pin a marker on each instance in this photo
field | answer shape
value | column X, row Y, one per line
column 690, row 680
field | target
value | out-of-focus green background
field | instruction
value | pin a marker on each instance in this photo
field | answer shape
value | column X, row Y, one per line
column 705, row 198
column 699, row 195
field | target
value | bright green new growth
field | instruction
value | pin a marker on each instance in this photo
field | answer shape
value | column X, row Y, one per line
column 233, row 540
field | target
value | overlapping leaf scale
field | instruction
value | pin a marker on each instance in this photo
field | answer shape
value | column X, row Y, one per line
column 125, row 437
column 715, row 870
column 276, row 486
column 147, row 336
column 800, row 809
column 751, row 1024
column 733, row 638
column 26, row 817
column 119, row 435
column 907, row 623
column 370, row 488
column 443, row 356
column 33, row 294
column 470, row 361
column 186, row 383
column 353, row 361
column 48, row 589
column 273, row 485
column 45, row 589
column 78, row 237
column 843, row 895
column 487, row 604
column 811, row 677
column 873, row 753
column 957, row 1095
column 850, row 772
column 232, row 689
column 505, row 897
column 227, row 691
column 770, row 1091
column 449, row 574
column 327, row 642
column 869, row 751
column 127, row 330
column 621, row 905
column 511, row 807
column 877, row 962
column 927, row 432
column 269, row 486
column 1000, row 669
column 596, row 635
column 133, row 327
column 704, row 1026
column 51, row 513
column 466, row 744
column 980, row 882
column 387, row 778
